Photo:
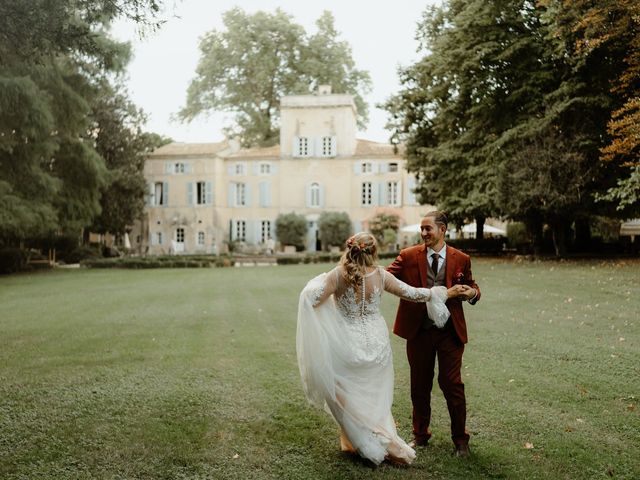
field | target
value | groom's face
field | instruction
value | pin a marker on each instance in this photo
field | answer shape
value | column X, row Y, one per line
column 432, row 234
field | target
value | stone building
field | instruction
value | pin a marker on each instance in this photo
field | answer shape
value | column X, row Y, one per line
column 204, row 196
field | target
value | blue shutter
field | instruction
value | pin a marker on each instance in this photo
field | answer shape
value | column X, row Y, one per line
column 265, row 194
column 190, row 193
column 383, row 167
column 321, row 196
column 411, row 185
column 357, row 168
column 382, row 193
column 247, row 194
column 357, row 227
column 255, row 168
column 230, row 169
column 188, row 168
column 165, row 193
column 307, row 194
column 295, row 148
column 168, row 166
column 274, row 168
column 209, row 193
column 231, row 195
column 151, row 192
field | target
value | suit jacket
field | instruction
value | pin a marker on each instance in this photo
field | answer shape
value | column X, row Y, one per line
column 411, row 267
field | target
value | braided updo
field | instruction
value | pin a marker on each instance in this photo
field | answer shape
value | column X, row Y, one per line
column 361, row 252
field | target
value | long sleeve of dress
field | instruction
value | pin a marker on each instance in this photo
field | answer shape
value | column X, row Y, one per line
column 326, row 288
column 404, row 290
column 435, row 297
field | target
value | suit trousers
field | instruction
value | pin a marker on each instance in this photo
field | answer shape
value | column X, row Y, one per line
column 422, row 351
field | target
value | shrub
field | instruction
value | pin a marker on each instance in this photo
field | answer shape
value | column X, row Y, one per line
column 334, row 228
column 291, row 229
column 13, row 260
column 79, row 253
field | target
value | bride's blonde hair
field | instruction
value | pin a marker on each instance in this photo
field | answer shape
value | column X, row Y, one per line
column 361, row 252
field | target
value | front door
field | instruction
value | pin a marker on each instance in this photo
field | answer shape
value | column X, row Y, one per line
column 179, row 245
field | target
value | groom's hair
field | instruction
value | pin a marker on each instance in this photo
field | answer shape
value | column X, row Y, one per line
column 439, row 218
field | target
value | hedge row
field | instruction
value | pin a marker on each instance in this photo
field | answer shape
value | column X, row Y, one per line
column 195, row 261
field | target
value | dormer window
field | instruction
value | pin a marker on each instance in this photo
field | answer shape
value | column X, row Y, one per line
column 393, row 167
column 328, row 146
column 367, row 167
column 239, row 169
column 302, row 147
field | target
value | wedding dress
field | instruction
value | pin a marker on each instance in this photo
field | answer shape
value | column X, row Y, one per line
column 345, row 360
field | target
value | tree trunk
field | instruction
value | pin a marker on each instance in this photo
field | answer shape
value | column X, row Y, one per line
column 534, row 228
column 559, row 238
column 480, row 228
column 583, row 235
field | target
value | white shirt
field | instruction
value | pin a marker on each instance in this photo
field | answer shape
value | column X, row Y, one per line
column 442, row 253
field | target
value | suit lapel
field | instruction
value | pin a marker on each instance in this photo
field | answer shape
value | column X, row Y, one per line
column 450, row 266
column 422, row 264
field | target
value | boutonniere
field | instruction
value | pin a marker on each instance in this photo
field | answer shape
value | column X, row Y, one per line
column 459, row 278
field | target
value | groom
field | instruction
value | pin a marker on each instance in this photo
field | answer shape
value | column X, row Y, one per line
column 435, row 264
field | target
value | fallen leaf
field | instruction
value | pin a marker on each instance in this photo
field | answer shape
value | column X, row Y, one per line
column 528, row 446
column 236, row 456
column 631, row 407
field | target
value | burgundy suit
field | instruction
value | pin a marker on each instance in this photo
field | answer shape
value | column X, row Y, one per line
column 425, row 344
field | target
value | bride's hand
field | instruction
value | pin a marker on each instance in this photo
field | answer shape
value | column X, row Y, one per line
column 455, row 291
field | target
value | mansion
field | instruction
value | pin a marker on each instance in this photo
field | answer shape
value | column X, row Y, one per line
column 202, row 197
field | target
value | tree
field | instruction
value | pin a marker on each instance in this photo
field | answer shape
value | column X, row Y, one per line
column 384, row 227
column 53, row 58
column 479, row 77
column 335, row 228
column 258, row 58
column 122, row 143
column 291, row 229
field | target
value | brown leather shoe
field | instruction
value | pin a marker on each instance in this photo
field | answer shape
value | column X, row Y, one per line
column 462, row 450
column 418, row 442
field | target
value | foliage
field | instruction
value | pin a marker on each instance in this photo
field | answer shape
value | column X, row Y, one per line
column 291, row 229
column 55, row 59
column 504, row 86
column 384, row 226
column 258, row 58
column 334, row 228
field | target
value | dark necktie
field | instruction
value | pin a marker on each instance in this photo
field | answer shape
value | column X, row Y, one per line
column 434, row 265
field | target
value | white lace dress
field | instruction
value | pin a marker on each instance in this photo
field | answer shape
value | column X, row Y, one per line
column 345, row 361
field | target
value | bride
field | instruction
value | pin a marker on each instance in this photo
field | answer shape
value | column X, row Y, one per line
column 343, row 349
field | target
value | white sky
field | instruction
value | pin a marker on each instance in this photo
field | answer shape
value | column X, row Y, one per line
column 381, row 35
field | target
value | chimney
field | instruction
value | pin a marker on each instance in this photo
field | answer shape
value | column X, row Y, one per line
column 324, row 89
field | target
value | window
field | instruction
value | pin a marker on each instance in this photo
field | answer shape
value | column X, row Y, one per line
column 201, row 193
column 180, row 235
column 240, row 233
column 239, row 169
column 393, row 193
column 201, row 239
column 159, row 238
column 302, row 147
column 240, row 195
column 367, row 190
column 158, row 194
column 314, row 197
column 367, row 167
column 265, row 230
column 178, row 168
column 265, row 169
column 327, row 146
column 393, row 167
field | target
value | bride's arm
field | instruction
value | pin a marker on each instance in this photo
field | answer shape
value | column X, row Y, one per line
column 323, row 291
column 412, row 294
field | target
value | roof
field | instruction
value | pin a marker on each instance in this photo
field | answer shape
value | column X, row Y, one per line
column 367, row 148
column 258, row 152
column 189, row 149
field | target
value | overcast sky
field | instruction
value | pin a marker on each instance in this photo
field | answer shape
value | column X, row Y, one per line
column 381, row 34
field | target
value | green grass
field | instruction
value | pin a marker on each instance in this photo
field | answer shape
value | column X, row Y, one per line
column 191, row 374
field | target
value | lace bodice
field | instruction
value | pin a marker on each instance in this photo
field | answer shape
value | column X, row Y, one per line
column 364, row 299
column 359, row 308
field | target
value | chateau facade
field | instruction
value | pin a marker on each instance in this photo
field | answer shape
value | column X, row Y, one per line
column 202, row 197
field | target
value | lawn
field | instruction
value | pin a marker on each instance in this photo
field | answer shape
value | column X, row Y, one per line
column 191, row 374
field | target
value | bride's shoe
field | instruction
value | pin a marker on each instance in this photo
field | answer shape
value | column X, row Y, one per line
column 345, row 444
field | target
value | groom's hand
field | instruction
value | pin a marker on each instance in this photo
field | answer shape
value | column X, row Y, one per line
column 467, row 292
